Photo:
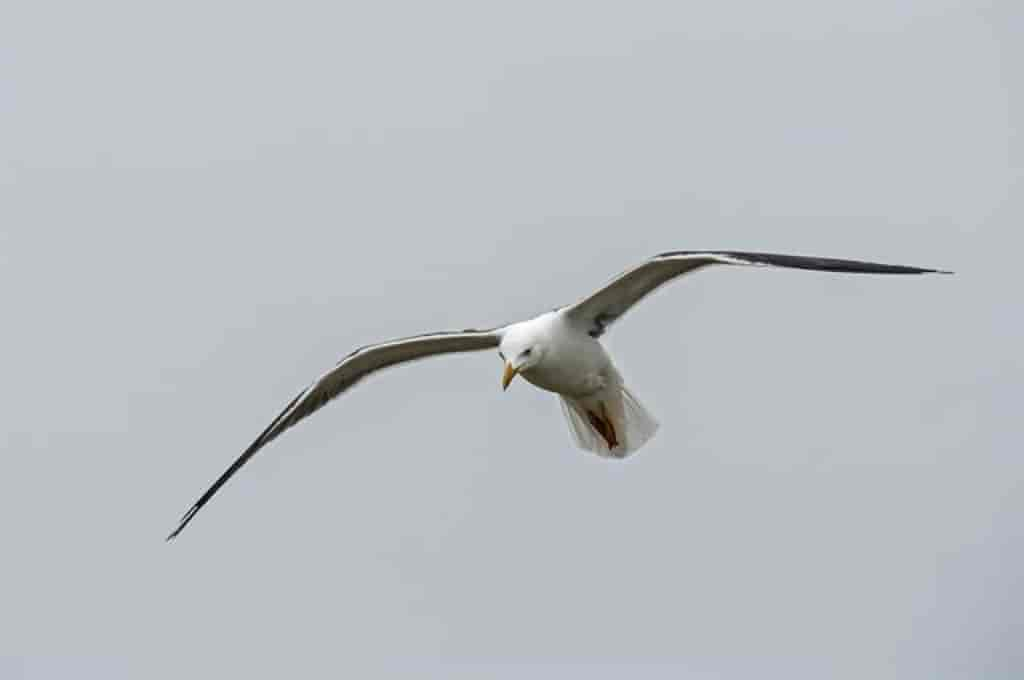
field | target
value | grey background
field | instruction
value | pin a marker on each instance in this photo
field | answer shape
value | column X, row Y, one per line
column 204, row 205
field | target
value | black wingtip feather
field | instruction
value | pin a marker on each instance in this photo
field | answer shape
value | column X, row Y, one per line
column 264, row 438
column 825, row 264
column 183, row 522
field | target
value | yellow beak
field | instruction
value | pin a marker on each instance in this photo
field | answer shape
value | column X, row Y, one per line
column 507, row 376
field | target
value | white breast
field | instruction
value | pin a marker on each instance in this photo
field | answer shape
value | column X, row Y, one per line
column 574, row 364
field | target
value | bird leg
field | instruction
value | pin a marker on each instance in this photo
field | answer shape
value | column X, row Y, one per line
column 603, row 424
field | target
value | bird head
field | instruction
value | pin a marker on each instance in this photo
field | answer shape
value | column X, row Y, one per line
column 521, row 349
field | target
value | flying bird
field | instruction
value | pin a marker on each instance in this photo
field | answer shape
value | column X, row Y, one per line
column 559, row 351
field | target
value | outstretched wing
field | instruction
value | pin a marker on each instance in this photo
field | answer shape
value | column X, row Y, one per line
column 603, row 307
column 347, row 373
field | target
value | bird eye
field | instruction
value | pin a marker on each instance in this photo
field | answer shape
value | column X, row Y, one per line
column 526, row 352
column 501, row 355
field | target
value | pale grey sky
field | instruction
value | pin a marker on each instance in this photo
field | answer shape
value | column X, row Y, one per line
column 204, row 205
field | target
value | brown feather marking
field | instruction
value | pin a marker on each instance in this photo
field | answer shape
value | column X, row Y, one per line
column 614, row 440
column 603, row 424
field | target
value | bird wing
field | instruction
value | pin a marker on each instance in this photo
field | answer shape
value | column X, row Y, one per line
column 344, row 375
column 601, row 308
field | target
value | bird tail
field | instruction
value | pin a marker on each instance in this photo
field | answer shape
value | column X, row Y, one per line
column 612, row 425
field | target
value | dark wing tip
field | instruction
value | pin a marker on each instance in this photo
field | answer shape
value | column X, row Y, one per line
column 280, row 424
column 826, row 264
column 186, row 518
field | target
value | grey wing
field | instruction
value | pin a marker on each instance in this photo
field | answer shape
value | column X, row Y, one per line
column 603, row 307
column 343, row 376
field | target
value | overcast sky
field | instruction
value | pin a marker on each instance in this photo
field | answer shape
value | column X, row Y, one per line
column 203, row 205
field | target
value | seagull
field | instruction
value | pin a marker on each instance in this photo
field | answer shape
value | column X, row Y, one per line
column 559, row 351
